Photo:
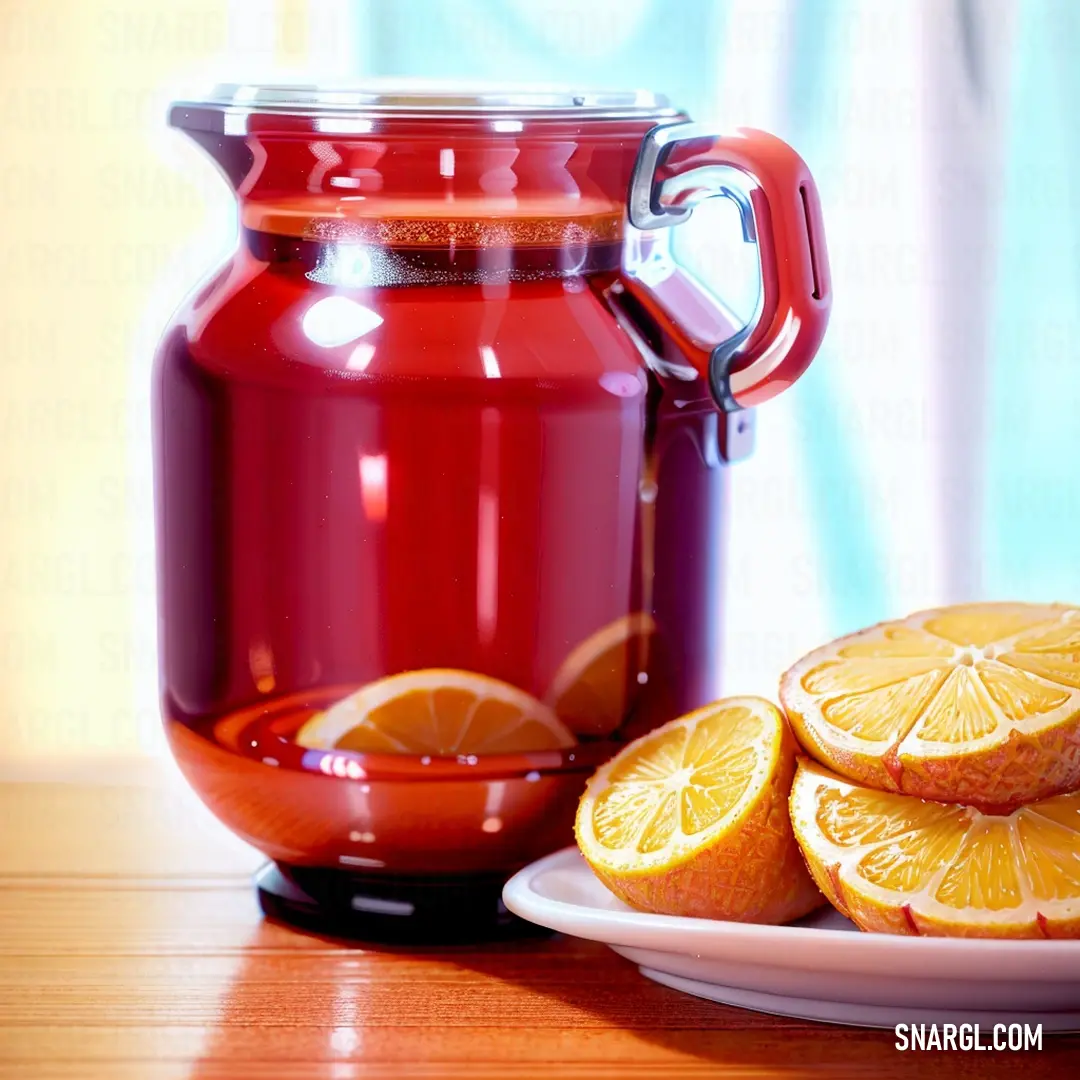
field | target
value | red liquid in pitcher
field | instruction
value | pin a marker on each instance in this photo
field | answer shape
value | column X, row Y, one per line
column 364, row 481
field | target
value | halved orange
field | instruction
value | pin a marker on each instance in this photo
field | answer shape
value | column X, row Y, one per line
column 439, row 711
column 692, row 819
column 597, row 685
column 978, row 704
column 901, row 865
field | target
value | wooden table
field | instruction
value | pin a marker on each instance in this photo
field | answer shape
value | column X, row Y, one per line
column 131, row 947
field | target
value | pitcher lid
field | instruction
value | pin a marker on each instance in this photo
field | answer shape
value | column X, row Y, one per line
column 226, row 107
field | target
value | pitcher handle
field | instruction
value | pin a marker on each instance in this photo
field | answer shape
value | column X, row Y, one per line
column 680, row 164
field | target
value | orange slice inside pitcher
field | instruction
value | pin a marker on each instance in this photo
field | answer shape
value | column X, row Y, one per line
column 977, row 704
column 597, row 685
column 438, row 711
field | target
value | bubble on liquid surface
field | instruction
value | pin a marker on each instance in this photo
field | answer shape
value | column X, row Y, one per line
column 621, row 383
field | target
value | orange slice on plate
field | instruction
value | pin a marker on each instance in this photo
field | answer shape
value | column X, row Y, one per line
column 438, row 711
column 977, row 704
column 901, row 865
column 692, row 819
column 598, row 684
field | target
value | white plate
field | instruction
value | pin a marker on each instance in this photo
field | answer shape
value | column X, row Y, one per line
column 820, row 968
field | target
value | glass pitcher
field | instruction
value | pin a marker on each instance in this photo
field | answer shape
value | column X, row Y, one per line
column 440, row 474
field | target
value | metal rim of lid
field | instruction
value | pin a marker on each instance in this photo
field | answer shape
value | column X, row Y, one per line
column 416, row 99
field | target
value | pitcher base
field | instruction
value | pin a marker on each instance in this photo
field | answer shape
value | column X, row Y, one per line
column 399, row 910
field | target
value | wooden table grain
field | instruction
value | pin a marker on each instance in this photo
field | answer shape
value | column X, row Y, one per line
column 131, row 947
